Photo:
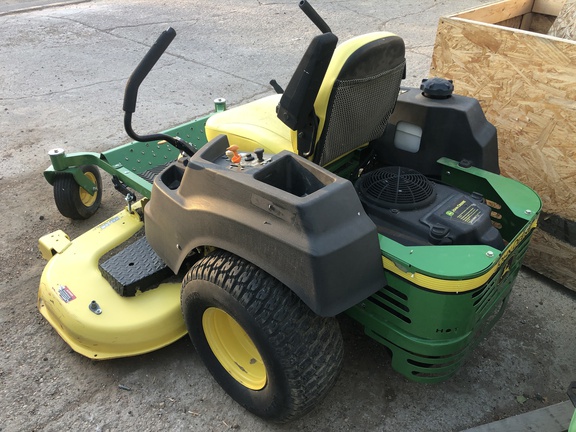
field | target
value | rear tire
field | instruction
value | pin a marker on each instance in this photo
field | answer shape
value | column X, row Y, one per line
column 262, row 344
column 72, row 200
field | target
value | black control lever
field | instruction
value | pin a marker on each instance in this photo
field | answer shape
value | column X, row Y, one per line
column 277, row 87
column 131, row 93
column 314, row 17
column 144, row 67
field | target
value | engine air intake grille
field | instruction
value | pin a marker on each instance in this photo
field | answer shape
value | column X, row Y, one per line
column 396, row 187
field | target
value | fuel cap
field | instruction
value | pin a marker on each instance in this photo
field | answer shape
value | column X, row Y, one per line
column 437, row 88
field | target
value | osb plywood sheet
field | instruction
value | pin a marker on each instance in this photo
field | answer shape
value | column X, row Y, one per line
column 548, row 7
column 541, row 23
column 499, row 11
column 502, row 10
column 526, row 84
column 515, row 22
column 552, row 258
column 565, row 24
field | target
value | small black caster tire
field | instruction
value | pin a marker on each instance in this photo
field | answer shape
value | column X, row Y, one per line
column 72, row 200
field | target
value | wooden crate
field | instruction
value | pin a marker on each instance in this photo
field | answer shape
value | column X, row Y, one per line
column 525, row 81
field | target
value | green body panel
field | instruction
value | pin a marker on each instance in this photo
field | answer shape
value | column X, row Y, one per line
column 518, row 203
column 428, row 332
column 466, row 262
column 129, row 161
column 453, row 262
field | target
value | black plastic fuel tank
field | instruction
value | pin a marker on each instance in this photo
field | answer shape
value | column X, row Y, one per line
column 424, row 128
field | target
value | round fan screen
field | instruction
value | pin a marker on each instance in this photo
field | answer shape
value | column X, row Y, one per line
column 396, row 187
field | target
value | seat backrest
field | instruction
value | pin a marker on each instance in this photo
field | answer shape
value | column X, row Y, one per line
column 357, row 95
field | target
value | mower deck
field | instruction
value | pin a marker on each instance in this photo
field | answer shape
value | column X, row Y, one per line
column 87, row 312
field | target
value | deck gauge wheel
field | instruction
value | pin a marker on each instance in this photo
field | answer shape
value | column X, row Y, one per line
column 72, row 200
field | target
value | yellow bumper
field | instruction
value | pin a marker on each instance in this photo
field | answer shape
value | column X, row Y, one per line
column 112, row 326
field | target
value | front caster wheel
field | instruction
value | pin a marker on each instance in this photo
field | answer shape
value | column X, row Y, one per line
column 262, row 344
column 72, row 200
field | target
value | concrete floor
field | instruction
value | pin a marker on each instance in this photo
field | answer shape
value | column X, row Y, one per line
column 62, row 76
column 21, row 6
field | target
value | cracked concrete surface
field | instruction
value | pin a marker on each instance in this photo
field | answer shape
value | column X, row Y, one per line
column 62, row 77
column 21, row 6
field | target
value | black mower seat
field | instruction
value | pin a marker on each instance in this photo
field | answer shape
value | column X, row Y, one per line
column 334, row 103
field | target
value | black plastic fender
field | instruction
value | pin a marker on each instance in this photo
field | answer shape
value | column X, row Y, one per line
column 297, row 221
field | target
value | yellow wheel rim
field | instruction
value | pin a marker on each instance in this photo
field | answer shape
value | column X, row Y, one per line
column 85, row 197
column 234, row 349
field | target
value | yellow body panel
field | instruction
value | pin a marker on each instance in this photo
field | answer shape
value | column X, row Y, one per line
column 126, row 326
column 55, row 242
column 251, row 126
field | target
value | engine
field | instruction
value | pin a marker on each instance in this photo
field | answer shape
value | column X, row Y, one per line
column 413, row 210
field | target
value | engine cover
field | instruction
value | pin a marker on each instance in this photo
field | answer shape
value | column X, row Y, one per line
column 413, row 210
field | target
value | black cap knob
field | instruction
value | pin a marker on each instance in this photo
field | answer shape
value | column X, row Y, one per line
column 438, row 234
column 259, row 154
column 437, row 88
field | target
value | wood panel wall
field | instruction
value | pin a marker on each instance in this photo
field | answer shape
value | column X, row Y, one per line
column 526, row 84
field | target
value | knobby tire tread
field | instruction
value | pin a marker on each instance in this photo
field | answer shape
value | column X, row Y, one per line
column 311, row 346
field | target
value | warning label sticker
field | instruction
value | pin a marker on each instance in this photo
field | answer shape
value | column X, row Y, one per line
column 65, row 293
column 465, row 211
column 109, row 222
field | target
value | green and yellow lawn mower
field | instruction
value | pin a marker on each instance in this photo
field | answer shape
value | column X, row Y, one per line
column 258, row 225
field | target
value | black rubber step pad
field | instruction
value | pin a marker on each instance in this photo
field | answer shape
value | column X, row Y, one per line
column 135, row 268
